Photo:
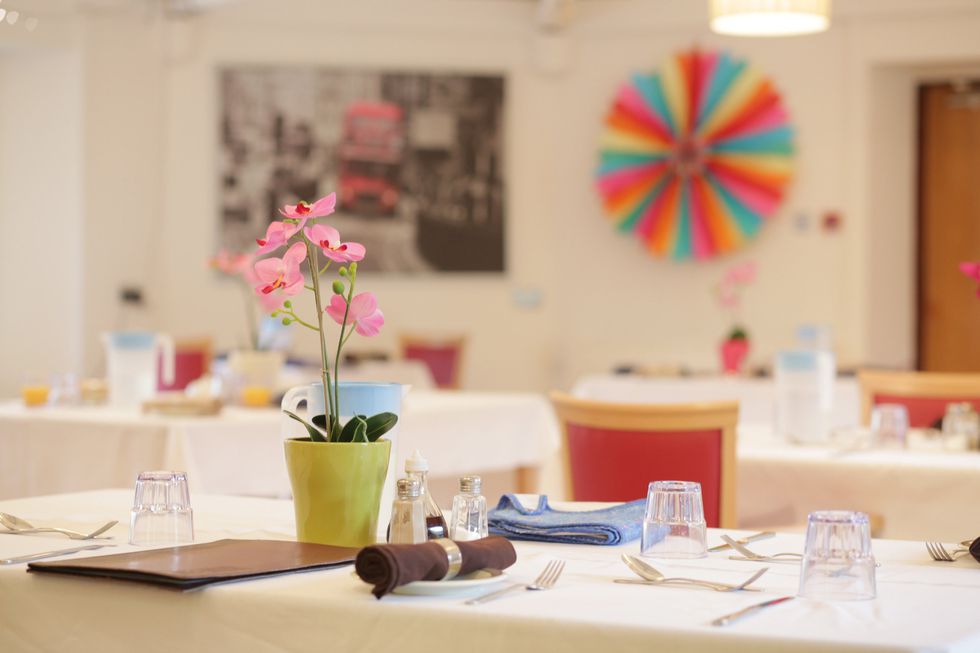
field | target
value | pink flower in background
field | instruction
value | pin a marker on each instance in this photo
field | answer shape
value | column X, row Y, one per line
column 364, row 313
column 231, row 264
column 743, row 273
column 972, row 270
column 276, row 236
column 281, row 273
column 303, row 211
column 328, row 240
column 727, row 295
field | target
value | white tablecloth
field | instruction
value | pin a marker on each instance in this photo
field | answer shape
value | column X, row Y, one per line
column 921, row 605
column 756, row 397
column 918, row 493
column 49, row 450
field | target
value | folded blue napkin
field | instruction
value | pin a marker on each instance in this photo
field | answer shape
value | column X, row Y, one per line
column 608, row 526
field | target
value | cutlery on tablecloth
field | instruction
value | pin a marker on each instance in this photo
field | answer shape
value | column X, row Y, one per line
column 652, row 576
column 51, row 554
column 752, row 609
column 755, row 537
column 18, row 526
column 748, row 554
column 939, row 553
column 545, row 581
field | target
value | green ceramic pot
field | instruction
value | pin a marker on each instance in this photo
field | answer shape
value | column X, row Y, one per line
column 337, row 489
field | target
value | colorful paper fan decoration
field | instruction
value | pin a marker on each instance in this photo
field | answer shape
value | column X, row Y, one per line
column 696, row 158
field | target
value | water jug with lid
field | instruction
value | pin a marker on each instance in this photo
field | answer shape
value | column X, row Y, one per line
column 132, row 359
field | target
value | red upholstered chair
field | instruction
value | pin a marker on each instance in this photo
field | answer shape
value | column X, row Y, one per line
column 443, row 357
column 924, row 394
column 192, row 360
column 613, row 450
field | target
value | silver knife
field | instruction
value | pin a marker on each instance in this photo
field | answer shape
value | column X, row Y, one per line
column 51, row 554
column 744, row 612
column 764, row 535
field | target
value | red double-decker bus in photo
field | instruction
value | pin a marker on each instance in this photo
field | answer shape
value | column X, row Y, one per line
column 370, row 157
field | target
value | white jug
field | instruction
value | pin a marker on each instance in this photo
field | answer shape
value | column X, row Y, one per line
column 132, row 359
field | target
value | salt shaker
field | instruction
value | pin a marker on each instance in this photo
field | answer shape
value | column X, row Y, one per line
column 408, row 514
column 469, row 518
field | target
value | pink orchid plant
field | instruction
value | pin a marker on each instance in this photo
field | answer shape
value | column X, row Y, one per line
column 282, row 279
column 728, row 292
column 972, row 270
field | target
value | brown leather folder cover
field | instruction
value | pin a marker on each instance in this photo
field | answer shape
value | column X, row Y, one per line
column 197, row 565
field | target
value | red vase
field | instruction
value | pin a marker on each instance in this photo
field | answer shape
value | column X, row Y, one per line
column 733, row 355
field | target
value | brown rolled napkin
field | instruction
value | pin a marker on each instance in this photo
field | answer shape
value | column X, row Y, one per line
column 975, row 549
column 386, row 566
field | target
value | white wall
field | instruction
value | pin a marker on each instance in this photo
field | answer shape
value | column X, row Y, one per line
column 150, row 145
column 40, row 215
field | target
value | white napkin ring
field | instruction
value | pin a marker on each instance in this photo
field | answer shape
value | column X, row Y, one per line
column 453, row 555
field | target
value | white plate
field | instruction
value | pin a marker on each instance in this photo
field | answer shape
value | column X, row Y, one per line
column 461, row 584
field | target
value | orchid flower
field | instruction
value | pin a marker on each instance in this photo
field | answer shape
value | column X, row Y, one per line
column 972, row 270
column 281, row 273
column 231, row 264
column 364, row 313
column 304, row 211
column 328, row 240
column 276, row 236
column 743, row 273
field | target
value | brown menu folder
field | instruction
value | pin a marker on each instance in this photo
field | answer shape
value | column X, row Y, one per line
column 196, row 565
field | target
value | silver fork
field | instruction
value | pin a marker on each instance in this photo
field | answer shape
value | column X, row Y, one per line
column 545, row 581
column 939, row 553
column 749, row 554
column 18, row 526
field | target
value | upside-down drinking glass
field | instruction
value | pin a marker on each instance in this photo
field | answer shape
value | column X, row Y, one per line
column 837, row 563
column 889, row 425
column 674, row 525
column 161, row 510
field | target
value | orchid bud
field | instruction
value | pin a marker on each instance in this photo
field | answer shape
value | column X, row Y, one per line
column 287, row 304
column 353, row 268
column 275, row 313
column 286, row 321
column 342, row 272
column 338, row 287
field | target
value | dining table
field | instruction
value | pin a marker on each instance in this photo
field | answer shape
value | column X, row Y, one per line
column 52, row 449
column 780, row 481
column 921, row 605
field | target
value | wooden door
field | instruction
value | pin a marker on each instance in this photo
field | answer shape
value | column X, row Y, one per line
column 949, row 227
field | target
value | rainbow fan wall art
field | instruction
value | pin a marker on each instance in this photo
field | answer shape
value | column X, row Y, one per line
column 695, row 158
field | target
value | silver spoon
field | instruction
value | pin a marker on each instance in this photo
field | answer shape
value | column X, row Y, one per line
column 652, row 576
column 18, row 526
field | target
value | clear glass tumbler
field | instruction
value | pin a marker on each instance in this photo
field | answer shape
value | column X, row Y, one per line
column 674, row 525
column 961, row 427
column 161, row 510
column 837, row 563
column 890, row 425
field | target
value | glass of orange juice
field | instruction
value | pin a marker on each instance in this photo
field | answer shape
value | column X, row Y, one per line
column 34, row 390
column 256, row 396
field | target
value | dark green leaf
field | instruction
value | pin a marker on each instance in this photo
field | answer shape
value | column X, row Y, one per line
column 360, row 431
column 347, row 433
column 315, row 433
column 378, row 425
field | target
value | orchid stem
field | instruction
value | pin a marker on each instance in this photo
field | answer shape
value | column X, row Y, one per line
column 329, row 408
column 352, row 275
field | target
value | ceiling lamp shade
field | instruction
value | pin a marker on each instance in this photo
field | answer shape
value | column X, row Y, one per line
column 769, row 17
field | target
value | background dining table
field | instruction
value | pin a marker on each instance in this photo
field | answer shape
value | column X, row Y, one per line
column 914, row 493
column 504, row 436
column 921, row 605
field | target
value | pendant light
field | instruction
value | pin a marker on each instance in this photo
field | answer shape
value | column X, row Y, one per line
column 769, row 17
